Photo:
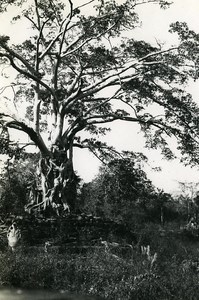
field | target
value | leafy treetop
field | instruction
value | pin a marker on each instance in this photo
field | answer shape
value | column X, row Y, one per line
column 77, row 72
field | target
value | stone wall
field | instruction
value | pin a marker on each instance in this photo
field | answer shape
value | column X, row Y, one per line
column 78, row 229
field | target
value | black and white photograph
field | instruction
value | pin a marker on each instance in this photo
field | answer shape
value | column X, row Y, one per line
column 99, row 149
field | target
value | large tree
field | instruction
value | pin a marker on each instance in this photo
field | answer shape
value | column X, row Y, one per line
column 77, row 71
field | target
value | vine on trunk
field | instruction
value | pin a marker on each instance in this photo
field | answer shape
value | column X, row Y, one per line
column 55, row 185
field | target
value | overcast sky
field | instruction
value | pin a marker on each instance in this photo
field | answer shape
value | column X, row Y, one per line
column 124, row 136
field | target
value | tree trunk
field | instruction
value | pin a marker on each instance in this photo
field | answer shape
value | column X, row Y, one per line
column 162, row 216
column 54, row 191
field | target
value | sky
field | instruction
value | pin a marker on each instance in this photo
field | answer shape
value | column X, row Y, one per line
column 125, row 136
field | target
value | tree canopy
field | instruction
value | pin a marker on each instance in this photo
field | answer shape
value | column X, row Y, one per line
column 123, row 193
column 78, row 71
column 122, row 189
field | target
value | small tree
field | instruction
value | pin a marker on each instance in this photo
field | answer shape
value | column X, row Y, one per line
column 64, row 68
column 16, row 179
column 189, row 195
column 162, row 207
column 120, row 191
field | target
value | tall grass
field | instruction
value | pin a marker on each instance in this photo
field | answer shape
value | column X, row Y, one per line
column 117, row 274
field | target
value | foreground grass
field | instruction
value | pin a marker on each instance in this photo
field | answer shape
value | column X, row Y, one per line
column 113, row 274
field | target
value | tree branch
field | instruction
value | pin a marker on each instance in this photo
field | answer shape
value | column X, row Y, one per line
column 37, row 14
column 101, row 104
column 85, row 42
column 74, row 83
column 50, row 45
column 36, row 138
column 16, row 55
column 61, row 46
column 95, row 87
column 38, row 44
column 85, row 4
column 28, row 75
column 113, row 117
column 35, row 25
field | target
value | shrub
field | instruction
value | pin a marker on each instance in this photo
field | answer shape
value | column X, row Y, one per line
column 108, row 273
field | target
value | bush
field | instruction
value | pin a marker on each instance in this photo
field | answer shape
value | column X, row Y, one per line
column 97, row 273
column 108, row 272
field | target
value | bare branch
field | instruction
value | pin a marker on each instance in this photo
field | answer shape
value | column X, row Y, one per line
column 94, row 99
column 36, row 138
column 148, row 1
column 50, row 45
column 131, row 106
column 114, row 80
column 113, row 77
column 34, row 24
column 157, row 53
column 74, row 83
column 38, row 44
column 28, row 75
column 61, row 45
column 70, row 46
column 85, row 4
column 101, row 104
column 111, row 117
column 85, row 42
column 5, row 87
column 26, row 145
column 37, row 14
column 37, row 105
column 98, row 157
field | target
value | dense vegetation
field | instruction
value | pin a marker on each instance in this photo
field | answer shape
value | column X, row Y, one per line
column 118, row 236
column 121, row 192
column 162, row 263
column 79, row 69
column 116, row 274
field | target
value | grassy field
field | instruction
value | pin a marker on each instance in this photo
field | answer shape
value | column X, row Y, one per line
column 168, row 269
